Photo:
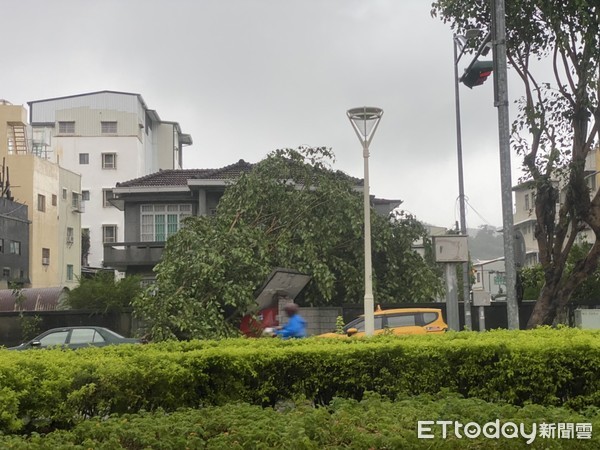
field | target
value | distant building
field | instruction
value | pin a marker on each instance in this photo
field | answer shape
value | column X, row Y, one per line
column 14, row 244
column 106, row 137
column 49, row 192
column 524, row 217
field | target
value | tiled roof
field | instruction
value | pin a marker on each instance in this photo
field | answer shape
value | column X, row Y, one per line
column 180, row 177
column 33, row 299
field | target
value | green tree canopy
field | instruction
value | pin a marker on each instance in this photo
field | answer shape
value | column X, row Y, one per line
column 557, row 126
column 291, row 211
column 103, row 293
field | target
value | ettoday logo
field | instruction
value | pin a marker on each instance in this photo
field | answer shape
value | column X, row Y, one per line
column 429, row 429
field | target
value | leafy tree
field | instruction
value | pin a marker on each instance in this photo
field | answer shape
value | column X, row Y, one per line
column 556, row 128
column 290, row 211
column 102, row 293
column 532, row 279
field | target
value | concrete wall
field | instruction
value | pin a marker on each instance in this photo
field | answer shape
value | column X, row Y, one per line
column 320, row 320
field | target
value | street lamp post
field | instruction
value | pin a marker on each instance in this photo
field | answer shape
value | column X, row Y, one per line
column 365, row 120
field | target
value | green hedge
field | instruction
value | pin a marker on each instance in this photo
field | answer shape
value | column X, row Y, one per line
column 373, row 423
column 49, row 389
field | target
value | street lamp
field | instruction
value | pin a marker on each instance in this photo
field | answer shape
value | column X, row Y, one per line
column 365, row 120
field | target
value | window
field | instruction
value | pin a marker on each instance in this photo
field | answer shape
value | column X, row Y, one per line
column 359, row 324
column 109, row 233
column 66, row 127
column 526, row 202
column 70, row 235
column 429, row 317
column 109, row 127
column 41, row 203
column 15, row 248
column 64, row 193
column 403, row 320
column 85, row 196
column 107, row 194
column 85, row 336
column 109, row 160
column 1, row 245
column 46, row 256
column 159, row 222
column 69, row 272
column 84, row 158
column 57, row 338
column 54, row 199
column 76, row 200
column 6, row 272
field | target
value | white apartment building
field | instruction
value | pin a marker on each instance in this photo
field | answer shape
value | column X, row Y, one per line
column 106, row 137
column 524, row 218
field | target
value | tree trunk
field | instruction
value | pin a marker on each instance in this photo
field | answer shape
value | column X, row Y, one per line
column 545, row 308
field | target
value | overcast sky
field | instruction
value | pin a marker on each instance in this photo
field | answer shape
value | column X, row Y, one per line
column 245, row 77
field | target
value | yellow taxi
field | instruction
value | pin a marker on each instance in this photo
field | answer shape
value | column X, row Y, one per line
column 398, row 321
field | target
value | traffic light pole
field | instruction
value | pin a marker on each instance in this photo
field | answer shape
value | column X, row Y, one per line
column 501, row 102
column 466, row 288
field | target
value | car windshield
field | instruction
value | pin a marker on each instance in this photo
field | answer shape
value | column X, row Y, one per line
column 112, row 334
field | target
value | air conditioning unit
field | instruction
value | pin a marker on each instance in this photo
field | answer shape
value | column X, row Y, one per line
column 46, row 261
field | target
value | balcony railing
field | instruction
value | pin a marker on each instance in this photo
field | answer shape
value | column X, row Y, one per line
column 121, row 255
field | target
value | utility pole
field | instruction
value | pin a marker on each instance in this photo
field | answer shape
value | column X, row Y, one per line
column 501, row 102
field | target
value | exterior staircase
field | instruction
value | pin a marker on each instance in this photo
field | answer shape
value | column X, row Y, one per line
column 17, row 139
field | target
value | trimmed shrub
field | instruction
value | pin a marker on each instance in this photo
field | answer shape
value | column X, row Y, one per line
column 47, row 389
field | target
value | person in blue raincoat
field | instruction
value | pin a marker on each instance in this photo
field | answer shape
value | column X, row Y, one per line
column 295, row 326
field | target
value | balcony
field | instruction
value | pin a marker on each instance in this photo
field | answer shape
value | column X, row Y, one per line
column 122, row 255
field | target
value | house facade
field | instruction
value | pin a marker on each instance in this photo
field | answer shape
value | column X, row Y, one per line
column 524, row 218
column 154, row 207
column 106, row 137
column 48, row 191
column 14, row 244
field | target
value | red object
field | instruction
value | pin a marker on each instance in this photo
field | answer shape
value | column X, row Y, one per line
column 253, row 326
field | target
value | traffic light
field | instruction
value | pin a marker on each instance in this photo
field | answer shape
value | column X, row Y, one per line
column 477, row 74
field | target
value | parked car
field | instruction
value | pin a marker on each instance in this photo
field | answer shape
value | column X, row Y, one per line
column 398, row 321
column 76, row 337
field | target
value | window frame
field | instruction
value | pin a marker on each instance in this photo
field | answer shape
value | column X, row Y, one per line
column 66, row 127
column 41, row 202
column 106, row 227
column 171, row 220
column 70, row 272
column 105, row 198
column 45, row 256
column 106, row 164
column 15, row 247
column 108, row 127
column 75, row 200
